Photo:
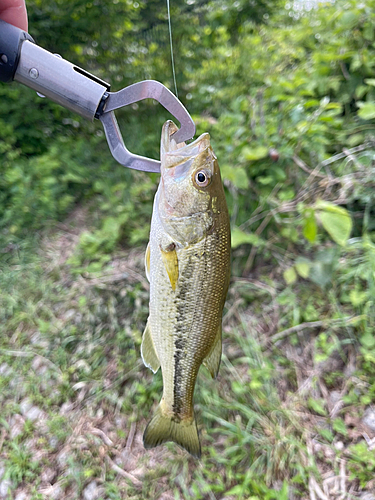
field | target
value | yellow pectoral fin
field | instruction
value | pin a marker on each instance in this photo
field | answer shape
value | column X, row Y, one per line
column 170, row 260
column 147, row 261
column 148, row 352
column 212, row 360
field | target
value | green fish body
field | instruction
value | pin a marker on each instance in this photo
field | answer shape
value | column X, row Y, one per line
column 188, row 266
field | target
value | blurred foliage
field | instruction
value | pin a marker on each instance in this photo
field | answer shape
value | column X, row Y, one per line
column 288, row 98
column 271, row 90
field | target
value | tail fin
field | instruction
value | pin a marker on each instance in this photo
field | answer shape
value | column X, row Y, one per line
column 163, row 428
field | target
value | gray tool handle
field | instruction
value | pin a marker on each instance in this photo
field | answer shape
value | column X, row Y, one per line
column 11, row 39
column 61, row 81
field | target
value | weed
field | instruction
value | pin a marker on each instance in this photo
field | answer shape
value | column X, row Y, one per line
column 59, row 428
column 361, row 463
column 19, row 466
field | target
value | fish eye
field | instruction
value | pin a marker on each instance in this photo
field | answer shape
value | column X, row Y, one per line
column 202, row 178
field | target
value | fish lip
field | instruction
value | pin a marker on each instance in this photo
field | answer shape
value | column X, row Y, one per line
column 173, row 153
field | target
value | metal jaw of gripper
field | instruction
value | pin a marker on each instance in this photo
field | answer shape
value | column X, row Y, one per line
column 134, row 93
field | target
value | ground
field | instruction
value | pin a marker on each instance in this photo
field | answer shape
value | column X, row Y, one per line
column 281, row 421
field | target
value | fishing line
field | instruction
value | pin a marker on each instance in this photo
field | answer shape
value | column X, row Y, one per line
column 170, row 41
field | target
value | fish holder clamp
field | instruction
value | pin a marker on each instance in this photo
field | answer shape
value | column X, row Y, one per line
column 77, row 90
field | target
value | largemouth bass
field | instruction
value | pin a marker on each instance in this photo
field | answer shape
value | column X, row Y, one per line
column 188, row 266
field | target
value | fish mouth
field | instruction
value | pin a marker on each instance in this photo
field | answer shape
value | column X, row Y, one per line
column 179, row 163
column 181, row 155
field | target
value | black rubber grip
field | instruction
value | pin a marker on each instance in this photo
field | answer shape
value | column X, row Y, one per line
column 11, row 39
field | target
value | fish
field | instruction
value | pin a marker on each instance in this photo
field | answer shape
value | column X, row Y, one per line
column 188, row 266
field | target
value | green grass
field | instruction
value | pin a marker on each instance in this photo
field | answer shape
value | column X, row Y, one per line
column 70, row 346
column 20, row 466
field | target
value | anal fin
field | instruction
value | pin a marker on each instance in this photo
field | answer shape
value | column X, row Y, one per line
column 212, row 360
column 148, row 352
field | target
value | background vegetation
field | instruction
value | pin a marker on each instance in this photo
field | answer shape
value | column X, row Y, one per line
column 287, row 94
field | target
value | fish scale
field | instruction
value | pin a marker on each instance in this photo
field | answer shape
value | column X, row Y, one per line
column 187, row 263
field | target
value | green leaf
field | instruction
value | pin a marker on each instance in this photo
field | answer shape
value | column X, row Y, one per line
column 368, row 340
column 256, row 153
column 322, row 267
column 309, row 226
column 236, row 175
column 370, row 81
column 349, row 19
column 339, row 426
column 357, row 297
column 326, row 434
column 290, row 276
column 368, row 31
column 355, row 139
column 303, row 267
column 290, row 233
column 360, row 91
column 268, row 179
column 239, row 237
column 335, row 220
column 367, row 110
column 317, row 406
column 236, row 490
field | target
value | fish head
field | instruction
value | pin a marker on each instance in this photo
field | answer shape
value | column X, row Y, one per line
column 190, row 184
